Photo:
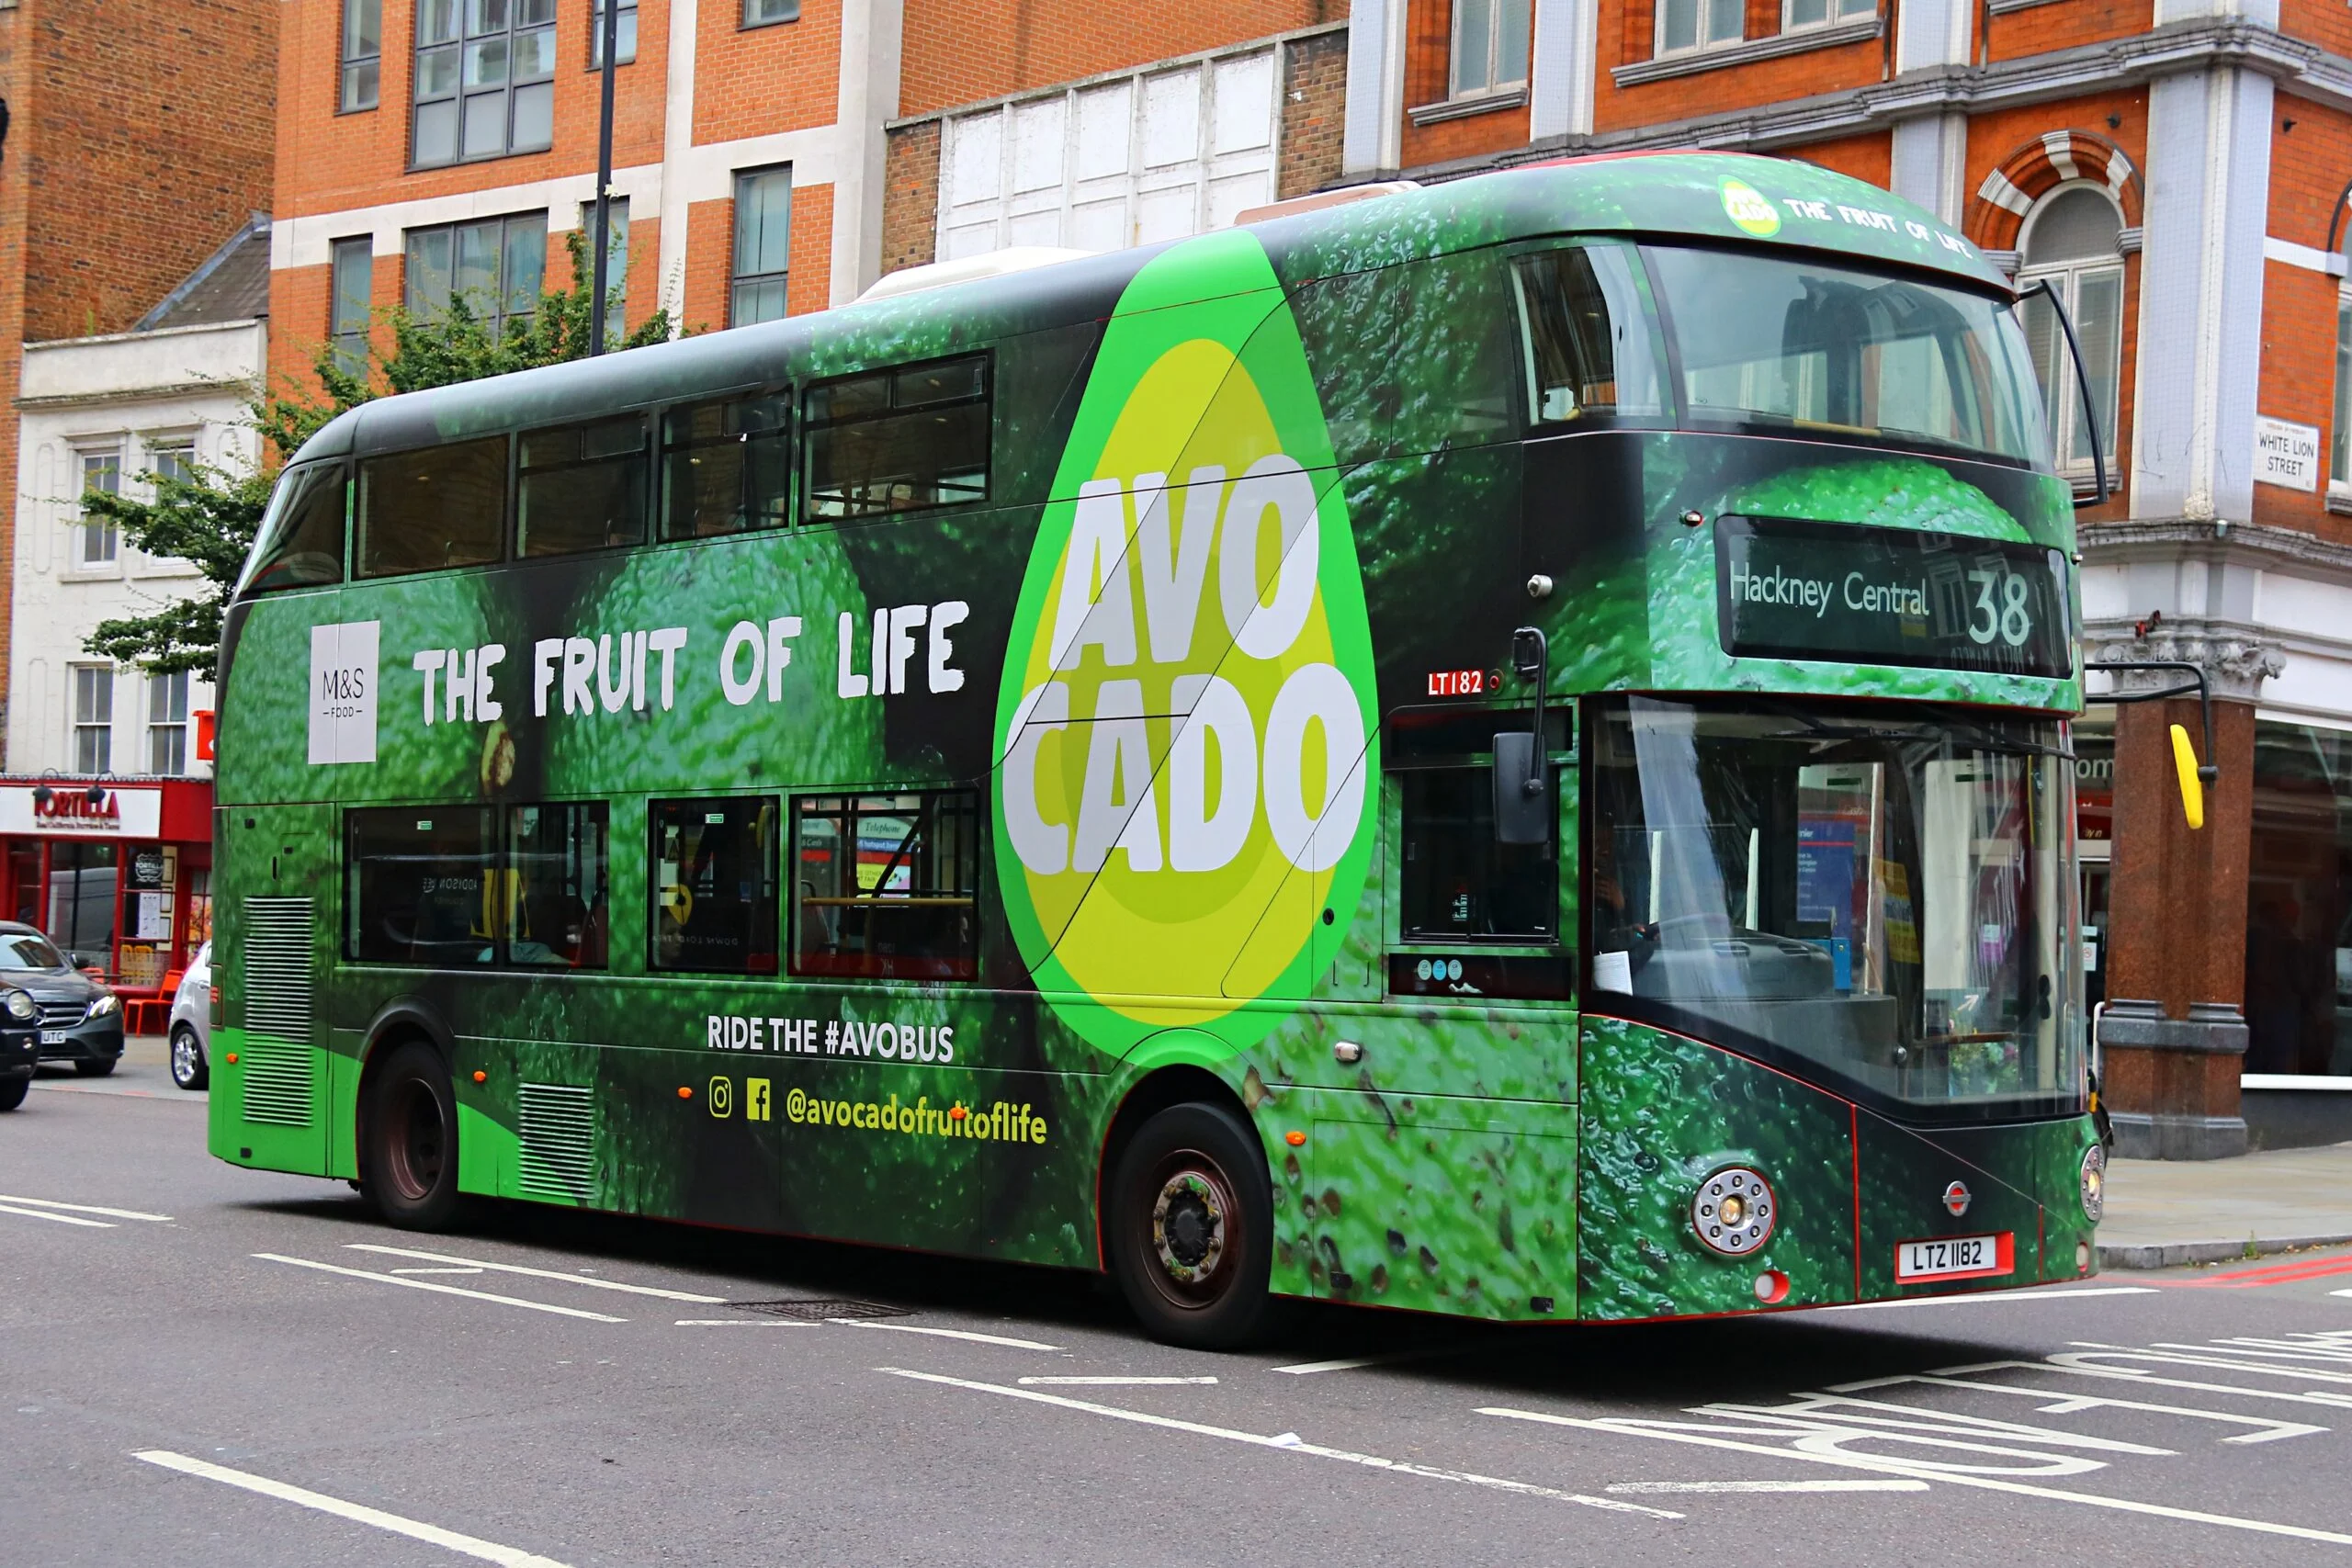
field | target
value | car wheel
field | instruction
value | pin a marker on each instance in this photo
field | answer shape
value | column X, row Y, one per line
column 13, row 1091
column 408, row 1146
column 1190, row 1228
column 96, row 1067
column 189, row 1069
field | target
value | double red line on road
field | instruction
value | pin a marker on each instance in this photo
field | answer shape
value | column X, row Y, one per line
column 2273, row 1274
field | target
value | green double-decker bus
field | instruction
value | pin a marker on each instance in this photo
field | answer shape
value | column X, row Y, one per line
column 1496, row 749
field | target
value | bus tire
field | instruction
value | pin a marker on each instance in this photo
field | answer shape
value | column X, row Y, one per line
column 408, row 1153
column 1190, row 1228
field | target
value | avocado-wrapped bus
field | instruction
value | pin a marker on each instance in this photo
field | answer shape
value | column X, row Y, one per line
column 1499, row 749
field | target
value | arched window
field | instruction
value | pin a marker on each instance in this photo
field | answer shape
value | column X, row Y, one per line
column 2071, row 238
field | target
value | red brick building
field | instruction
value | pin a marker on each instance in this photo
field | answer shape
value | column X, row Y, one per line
column 772, row 156
column 2178, row 170
column 132, row 143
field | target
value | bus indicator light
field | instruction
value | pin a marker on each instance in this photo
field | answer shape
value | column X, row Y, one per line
column 684, row 1093
column 1295, row 1140
column 481, row 1077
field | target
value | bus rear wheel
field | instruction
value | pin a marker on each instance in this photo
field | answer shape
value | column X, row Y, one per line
column 1190, row 1228
column 408, row 1155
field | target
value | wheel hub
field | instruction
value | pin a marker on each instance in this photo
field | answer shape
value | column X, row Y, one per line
column 1188, row 1227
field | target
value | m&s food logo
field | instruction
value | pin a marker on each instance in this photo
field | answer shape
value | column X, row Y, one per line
column 1186, row 725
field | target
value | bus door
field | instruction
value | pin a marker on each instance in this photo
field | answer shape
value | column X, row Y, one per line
column 275, row 918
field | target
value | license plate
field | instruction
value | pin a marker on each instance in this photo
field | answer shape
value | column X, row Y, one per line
column 1955, row 1257
column 52, row 1037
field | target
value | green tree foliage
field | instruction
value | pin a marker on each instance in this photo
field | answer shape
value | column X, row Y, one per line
column 211, row 518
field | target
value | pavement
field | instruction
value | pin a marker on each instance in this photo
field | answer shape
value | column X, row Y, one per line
column 218, row 1367
column 2162, row 1213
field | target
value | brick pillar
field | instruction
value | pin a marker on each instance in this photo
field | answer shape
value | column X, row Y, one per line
column 2173, row 1038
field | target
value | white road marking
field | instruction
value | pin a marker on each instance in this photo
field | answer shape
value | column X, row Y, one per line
column 1111, row 1382
column 741, row 1323
column 444, row 1290
column 1350, row 1363
column 61, row 1219
column 1288, row 1442
column 1980, row 1298
column 1950, row 1477
column 1645, row 1488
column 436, row 1270
column 87, row 1209
column 536, row 1273
column 415, row 1529
column 942, row 1333
column 2264, row 1429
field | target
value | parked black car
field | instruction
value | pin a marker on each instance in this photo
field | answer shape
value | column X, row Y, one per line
column 20, row 1045
column 81, row 1021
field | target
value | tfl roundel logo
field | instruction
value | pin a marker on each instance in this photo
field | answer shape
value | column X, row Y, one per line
column 1956, row 1199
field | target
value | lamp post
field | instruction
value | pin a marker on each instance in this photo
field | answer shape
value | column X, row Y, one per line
column 611, row 42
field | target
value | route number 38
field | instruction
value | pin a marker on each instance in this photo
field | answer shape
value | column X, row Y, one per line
column 2001, row 610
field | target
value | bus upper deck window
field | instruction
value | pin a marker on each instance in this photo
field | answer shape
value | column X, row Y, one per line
column 1591, row 346
column 582, row 488
column 302, row 541
column 714, row 885
column 438, row 506
column 726, row 467
column 898, row 440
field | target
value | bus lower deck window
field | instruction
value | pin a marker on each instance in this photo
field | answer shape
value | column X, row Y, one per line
column 714, row 885
column 420, row 881
column 884, row 886
column 1457, row 881
column 556, row 896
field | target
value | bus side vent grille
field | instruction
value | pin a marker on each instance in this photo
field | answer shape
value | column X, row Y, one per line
column 278, row 1058
column 559, row 1141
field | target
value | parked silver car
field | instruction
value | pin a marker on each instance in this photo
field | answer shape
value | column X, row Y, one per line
column 191, row 1027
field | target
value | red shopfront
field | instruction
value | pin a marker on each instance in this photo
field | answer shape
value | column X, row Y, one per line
column 119, row 872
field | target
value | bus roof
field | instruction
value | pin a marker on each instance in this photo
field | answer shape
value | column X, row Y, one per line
column 1739, row 199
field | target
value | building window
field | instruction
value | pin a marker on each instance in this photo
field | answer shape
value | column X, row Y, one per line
column 484, row 85
column 167, row 724
column 616, row 257
column 363, row 54
column 761, row 13
column 886, row 886
column 1697, row 23
column 496, row 267
column 1490, row 45
column 625, row 24
column 96, row 539
column 2071, row 240
column 93, row 719
column 763, row 246
column 2339, row 470
column 172, row 457
column 1798, row 14
column 352, row 281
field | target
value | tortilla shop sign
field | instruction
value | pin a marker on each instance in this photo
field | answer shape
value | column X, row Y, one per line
column 69, row 812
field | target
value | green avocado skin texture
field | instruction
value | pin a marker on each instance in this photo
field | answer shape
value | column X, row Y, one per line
column 1509, row 1160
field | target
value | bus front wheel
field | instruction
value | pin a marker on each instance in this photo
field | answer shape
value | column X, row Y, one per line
column 408, row 1157
column 1190, row 1228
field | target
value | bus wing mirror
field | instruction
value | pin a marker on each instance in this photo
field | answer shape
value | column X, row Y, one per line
column 2192, row 782
column 2082, row 385
column 1523, row 774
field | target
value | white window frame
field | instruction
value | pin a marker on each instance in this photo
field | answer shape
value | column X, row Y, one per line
column 97, row 547
column 98, row 728
column 1701, row 42
column 1833, row 13
column 2339, row 435
column 168, row 727
column 1500, row 22
column 2065, row 411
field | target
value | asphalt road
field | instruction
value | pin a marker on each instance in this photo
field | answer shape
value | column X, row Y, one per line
column 207, row 1366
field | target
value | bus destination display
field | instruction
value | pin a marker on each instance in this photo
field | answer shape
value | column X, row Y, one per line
column 1791, row 589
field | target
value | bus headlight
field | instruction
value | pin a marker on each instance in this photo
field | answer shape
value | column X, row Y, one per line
column 2093, row 1182
column 1733, row 1212
column 21, row 1006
